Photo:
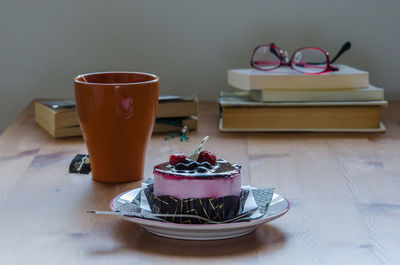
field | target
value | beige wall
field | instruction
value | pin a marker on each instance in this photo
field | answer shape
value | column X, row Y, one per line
column 189, row 44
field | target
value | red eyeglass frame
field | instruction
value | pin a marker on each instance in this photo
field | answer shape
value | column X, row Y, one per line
column 328, row 68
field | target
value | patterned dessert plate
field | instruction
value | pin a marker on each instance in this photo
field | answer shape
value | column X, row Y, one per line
column 278, row 207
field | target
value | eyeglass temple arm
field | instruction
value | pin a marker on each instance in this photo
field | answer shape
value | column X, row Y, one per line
column 273, row 51
column 346, row 46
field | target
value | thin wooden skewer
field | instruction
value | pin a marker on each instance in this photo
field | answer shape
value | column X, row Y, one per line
column 176, row 215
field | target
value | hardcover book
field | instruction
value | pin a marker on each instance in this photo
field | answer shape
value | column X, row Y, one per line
column 175, row 106
column 298, row 95
column 241, row 113
column 60, row 118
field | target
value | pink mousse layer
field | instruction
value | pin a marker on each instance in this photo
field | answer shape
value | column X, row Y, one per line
column 192, row 187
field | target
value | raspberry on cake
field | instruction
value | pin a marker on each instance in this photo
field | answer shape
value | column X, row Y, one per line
column 177, row 158
column 207, row 156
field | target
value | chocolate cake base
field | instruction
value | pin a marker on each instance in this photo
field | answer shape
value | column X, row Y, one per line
column 215, row 209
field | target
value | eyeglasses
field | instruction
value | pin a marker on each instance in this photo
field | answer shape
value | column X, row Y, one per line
column 308, row 60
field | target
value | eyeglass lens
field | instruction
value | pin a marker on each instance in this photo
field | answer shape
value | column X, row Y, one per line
column 310, row 60
column 266, row 57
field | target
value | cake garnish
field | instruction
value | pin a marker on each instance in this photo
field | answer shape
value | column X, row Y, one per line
column 177, row 158
column 201, row 164
column 207, row 156
column 196, row 152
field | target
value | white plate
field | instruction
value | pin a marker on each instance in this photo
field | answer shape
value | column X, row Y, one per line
column 278, row 207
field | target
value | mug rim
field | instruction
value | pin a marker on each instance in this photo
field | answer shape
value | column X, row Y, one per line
column 154, row 80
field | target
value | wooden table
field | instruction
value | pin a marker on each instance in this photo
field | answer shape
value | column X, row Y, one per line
column 344, row 190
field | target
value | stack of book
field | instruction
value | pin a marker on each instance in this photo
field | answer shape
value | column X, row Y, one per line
column 60, row 118
column 286, row 100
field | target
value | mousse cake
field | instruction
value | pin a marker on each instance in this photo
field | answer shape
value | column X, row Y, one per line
column 207, row 177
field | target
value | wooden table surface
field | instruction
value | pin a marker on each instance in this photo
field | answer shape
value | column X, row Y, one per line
column 344, row 191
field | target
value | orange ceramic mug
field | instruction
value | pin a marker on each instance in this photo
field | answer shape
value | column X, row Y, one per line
column 117, row 111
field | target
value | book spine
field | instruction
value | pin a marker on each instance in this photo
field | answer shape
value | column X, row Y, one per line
column 325, row 96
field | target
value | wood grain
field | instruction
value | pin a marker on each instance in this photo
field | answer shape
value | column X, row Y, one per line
column 343, row 188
